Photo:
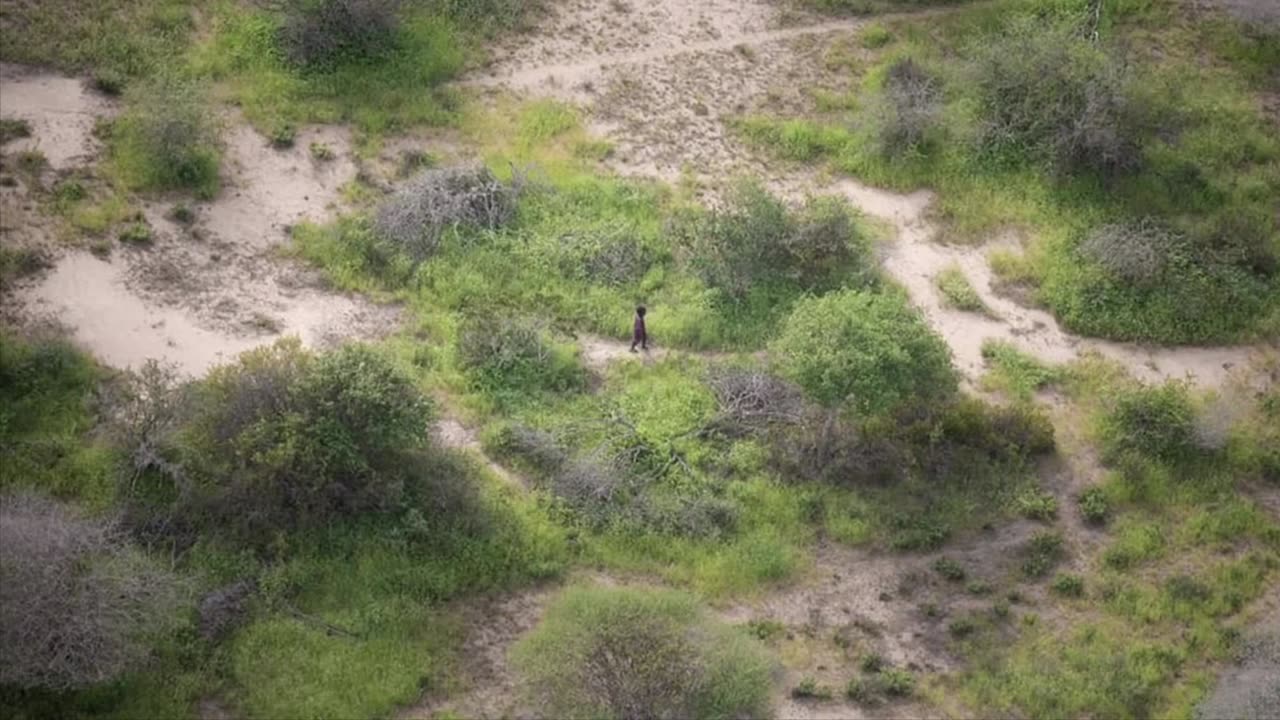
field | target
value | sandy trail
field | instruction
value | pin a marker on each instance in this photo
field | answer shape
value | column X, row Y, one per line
column 672, row 80
column 200, row 293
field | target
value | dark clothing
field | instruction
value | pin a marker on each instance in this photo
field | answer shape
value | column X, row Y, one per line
column 639, row 336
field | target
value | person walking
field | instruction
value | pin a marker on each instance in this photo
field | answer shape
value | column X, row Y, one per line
column 640, row 335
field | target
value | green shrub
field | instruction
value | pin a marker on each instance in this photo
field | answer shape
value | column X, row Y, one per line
column 282, row 135
column 962, row 627
column 1068, row 585
column 504, row 353
column 949, row 569
column 810, row 689
column 283, row 439
column 167, row 138
column 755, row 241
column 1094, row 506
column 864, row 690
column 136, row 233
column 622, row 653
column 872, row 663
column 1155, row 422
column 1014, row 371
column 898, row 683
column 875, row 36
column 1041, row 553
column 1038, row 506
column 872, row 350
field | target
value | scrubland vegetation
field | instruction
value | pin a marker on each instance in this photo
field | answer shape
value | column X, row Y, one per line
column 1127, row 143
column 284, row 537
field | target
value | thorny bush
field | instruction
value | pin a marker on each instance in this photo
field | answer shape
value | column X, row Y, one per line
column 322, row 33
column 415, row 219
column 78, row 604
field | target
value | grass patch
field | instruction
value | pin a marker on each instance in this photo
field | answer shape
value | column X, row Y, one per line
column 956, row 291
column 244, row 57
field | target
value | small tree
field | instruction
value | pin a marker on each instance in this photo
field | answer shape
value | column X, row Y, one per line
column 866, row 348
column 78, row 604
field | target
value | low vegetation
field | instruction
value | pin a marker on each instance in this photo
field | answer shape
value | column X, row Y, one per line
column 620, row 653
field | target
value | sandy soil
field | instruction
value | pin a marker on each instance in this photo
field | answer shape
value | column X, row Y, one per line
column 199, row 294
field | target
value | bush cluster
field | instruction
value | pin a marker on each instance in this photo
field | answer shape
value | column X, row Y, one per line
column 754, row 240
column 610, row 256
column 78, row 604
column 630, row 653
column 322, row 33
column 415, row 219
column 284, row 439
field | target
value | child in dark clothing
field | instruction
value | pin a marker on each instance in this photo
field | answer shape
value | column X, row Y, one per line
column 639, row 336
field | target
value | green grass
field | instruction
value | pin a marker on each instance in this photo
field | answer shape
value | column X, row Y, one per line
column 1015, row 373
column 958, row 292
column 45, row 425
column 113, row 40
column 241, row 55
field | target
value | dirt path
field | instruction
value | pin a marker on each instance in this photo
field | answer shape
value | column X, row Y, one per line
column 662, row 84
column 201, row 292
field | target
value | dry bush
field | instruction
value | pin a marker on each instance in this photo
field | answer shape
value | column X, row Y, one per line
column 1105, row 134
column 538, row 448
column 414, row 220
column 1137, row 252
column 224, row 609
column 592, row 486
column 77, row 603
column 146, row 408
column 910, row 107
column 320, row 33
column 824, row 448
column 752, row 401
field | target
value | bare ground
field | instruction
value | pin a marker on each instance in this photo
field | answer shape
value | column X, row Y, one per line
column 199, row 294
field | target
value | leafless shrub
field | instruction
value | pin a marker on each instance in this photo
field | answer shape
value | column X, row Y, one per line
column 223, row 609
column 146, row 408
column 1102, row 135
column 415, row 219
column 318, row 33
column 696, row 517
column 1137, row 252
column 77, row 603
column 503, row 344
column 824, row 448
column 592, row 486
column 751, row 401
column 538, row 448
column 909, row 108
